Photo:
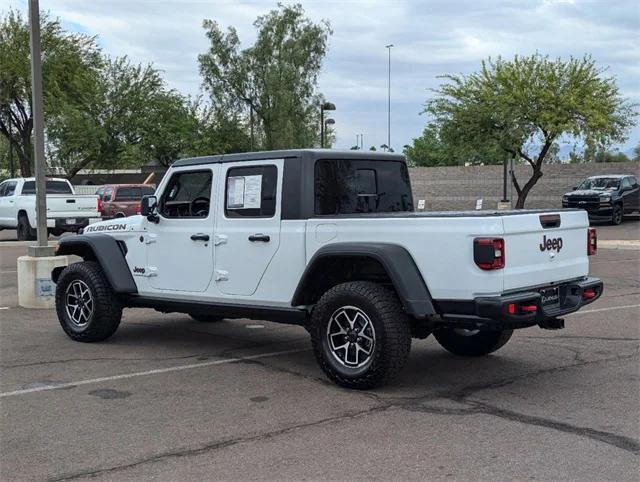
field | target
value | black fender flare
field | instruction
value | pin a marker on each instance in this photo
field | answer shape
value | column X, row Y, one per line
column 397, row 262
column 106, row 251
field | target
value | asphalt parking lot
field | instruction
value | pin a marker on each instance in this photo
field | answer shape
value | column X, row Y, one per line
column 168, row 398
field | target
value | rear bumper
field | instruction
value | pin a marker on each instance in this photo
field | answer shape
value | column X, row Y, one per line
column 63, row 225
column 494, row 312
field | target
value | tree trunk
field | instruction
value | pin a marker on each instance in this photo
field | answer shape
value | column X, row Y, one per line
column 524, row 192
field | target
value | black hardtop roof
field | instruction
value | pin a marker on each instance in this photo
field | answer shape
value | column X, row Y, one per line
column 303, row 154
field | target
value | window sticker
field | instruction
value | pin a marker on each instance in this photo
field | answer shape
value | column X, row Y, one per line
column 252, row 192
column 235, row 192
column 244, row 192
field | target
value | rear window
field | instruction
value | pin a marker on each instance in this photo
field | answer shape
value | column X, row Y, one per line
column 361, row 186
column 53, row 187
column 133, row 193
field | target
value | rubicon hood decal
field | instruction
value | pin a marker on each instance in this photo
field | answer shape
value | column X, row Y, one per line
column 105, row 227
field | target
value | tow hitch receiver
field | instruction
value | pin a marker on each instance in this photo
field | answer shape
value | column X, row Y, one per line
column 552, row 324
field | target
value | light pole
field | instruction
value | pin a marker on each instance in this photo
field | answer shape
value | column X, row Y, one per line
column 388, row 47
column 324, row 106
column 327, row 123
column 42, row 248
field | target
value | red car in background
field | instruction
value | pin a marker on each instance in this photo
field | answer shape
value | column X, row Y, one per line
column 121, row 200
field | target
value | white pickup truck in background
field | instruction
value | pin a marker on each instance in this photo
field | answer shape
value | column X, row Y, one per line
column 66, row 211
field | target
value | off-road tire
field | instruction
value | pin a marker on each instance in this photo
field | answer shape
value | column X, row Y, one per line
column 24, row 231
column 392, row 334
column 617, row 215
column 107, row 308
column 203, row 318
column 480, row 344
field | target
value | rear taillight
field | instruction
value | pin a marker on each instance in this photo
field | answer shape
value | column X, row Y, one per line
column 138, row 208
column 524, row 308
column 592, row 241
column 99, row 205
column 488, row 253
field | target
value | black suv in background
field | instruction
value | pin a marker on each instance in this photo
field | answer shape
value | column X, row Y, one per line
column 605, row 198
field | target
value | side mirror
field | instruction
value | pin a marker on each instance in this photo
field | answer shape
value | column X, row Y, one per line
column 148, row 208
column 574, row 188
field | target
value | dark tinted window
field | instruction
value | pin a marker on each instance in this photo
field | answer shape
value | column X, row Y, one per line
column 633, row 180
column 133, row 193
column 251, row 191
column 53, row 187
column 10, row 189
column 187, row 194
column 354, row 186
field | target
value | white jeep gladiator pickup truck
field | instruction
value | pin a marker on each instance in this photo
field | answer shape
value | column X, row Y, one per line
column 328, row 240
column 66, row 210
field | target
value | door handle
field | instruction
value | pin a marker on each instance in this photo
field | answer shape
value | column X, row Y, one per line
column 259, row 237
column 200, row 237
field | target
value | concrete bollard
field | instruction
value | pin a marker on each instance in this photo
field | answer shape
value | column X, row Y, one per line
column 35, row 287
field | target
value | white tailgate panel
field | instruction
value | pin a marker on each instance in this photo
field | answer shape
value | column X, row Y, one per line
column 527, row 265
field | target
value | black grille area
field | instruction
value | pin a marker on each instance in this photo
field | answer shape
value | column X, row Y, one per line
column 587, row 202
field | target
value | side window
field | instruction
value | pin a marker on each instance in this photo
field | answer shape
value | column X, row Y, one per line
column 251, row 192
column 633, row 180
column 100, row 192
column 361, row 186
column 10, row 189
column 107, row 194
column 625, row 183
column 187, row 195
column 3, row 185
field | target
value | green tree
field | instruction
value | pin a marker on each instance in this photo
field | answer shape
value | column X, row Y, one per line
column 527, row 104
column 130, row 118
column 439, row 146
column 70, row 65
column 636, row 153
column 273, row 82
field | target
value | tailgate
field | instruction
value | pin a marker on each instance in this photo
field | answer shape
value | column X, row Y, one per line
column 69, row 206
column 537, row 255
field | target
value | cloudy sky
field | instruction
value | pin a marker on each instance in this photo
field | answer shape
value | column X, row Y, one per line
column 431, row 38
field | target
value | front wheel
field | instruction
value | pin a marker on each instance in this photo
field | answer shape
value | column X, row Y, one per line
column 88, row 309
column 361, row 336
column 472, row 342
column 617, row 215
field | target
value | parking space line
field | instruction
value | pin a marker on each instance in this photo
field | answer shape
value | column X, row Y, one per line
column 156, row 371
column 584, row 312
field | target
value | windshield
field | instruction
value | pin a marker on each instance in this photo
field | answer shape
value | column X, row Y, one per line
column 601, row 184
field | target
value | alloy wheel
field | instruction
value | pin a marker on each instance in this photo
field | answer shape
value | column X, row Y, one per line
column 351, row 337
column 79, row 303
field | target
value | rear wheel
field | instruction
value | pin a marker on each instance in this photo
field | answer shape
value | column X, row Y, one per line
column 472, row 342
column 361, row 336
column 88, row 309
column 617, row 215
column 25, row 232
column 205, row 318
